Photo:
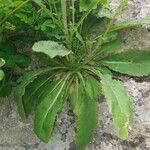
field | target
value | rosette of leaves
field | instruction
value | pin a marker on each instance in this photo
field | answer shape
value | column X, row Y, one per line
column 12, row 60
column 81, row 70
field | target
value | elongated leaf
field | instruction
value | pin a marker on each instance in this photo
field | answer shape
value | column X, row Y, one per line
column 91, row 23
column 20, row 89
column 111, row 36
column 87, row 121
column 92, row 87
column 50, row 48
column 105, row 70
column 109, row 48
column 85, row 107
column 132, row 62
column 34, row 92
column 119, row 103
column 129, row 24
column 76, row 98
column 85, row 5
column 47, row 110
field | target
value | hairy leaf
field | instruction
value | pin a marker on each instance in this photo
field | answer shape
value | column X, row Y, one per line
column 129, row 24
column 20, row 89
column 132, row 62
column 119, row 103
column 85, row 107
column 47, row 110
column 34, row 92
column 105, row 70
column 92, row 87
column 50, row 48
column 76, row 97
column 87, row 121
column 110, row 47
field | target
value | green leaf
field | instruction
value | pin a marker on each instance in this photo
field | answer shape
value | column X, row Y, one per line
column 86, row 123
column 7, row 47
column 119, row 103
column 108, row 38
column 40, row 2
column 6, row 89
column 12, row 60
column 79, row 37
column 11, row 57
column 132, row 62
column 47, row 110
column 90, row 24
column 2, row 62
column 76, row 97
column 22, row 61
column 85, row 107
column 110, row 47
column 85, row 5
column 35, row 91
column 92, row 87
column 50, row 48
column 105, row 12
column 129, row 24
column 20, row 89
column 105, row 70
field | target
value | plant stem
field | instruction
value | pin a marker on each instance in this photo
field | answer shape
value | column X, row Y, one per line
column 64, row 17
column 53, row 1
column 51, row 10
column 73, row 13
column 113, row 19
column 86, row 13
column 117, row 12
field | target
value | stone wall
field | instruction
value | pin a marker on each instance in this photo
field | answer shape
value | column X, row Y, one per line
column 18, row 135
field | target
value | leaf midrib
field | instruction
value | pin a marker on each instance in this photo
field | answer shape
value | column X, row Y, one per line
column 122, row 62
column 56, row 95
column 30, row 96
column 127, row 117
